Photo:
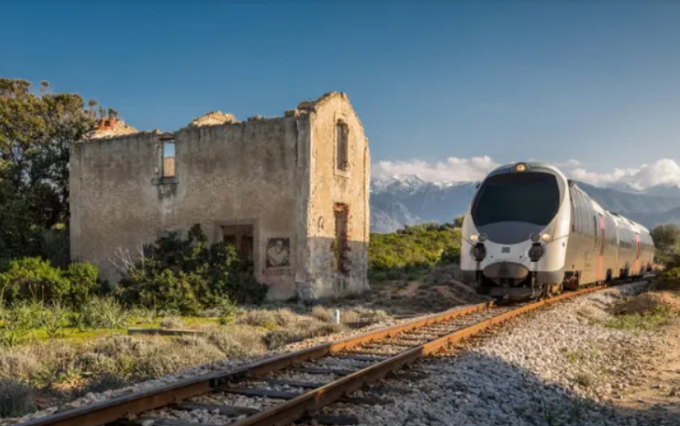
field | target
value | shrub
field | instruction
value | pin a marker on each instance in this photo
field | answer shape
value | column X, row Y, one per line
column 104, row 382
column 32, row 278
column 100, row 312
column 187, row 275
column 84, row 283
column 54, row 321
column 669, row 280
column 303, row 330
column 173, row 323
column 16, row 398
column 259, row 318
column 414, row 247
column 237, row 341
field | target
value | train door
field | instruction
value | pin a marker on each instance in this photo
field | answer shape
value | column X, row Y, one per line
column 600, row 256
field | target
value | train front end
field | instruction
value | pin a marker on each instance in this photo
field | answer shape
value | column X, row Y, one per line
column 515, row 233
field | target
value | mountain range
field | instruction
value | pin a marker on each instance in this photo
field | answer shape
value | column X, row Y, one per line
column 409, row 200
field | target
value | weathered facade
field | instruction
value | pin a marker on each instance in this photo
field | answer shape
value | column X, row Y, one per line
column 290, row 193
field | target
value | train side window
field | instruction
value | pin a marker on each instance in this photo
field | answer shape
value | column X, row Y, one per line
column 579, row 212
column 585, row 212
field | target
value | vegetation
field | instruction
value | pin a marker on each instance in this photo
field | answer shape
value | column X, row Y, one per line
column 35, row 279
column 36, row 133
column 640, row 322
column 413, row 249
column 667, row 242
column 186, row 275
column 69, row 367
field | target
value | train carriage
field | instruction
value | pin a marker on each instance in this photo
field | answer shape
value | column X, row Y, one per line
column 530, row 231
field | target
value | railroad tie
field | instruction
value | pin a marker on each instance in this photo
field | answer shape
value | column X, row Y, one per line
column 161, row 421
column 349, row 363
column 376, row 353
column 378, row 346
column 227, row 410
column 362, row 357
column 340, row 420
column 388, row 390
column 365, row 400
column 293, row 383
column 337, row 372
column 267, row 393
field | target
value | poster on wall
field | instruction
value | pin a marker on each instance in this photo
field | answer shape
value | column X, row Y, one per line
column 278, row 252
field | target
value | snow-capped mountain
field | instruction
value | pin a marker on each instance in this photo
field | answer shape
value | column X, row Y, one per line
column 409, row 200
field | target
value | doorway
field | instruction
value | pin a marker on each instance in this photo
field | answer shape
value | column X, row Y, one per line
column 241, row 238
column 340, row 243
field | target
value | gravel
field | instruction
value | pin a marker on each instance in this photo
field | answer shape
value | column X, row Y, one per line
column 555, row 367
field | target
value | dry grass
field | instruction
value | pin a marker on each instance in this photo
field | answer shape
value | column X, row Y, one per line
column 301, row 331
column 15, row 398
column 645, row 311
column 66, row 369
column 647, row 303
column 173, row 323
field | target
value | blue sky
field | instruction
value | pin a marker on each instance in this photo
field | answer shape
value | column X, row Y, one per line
column 598, row 82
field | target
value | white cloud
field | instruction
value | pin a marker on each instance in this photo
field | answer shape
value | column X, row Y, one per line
column 451, row 170
column 664, row 171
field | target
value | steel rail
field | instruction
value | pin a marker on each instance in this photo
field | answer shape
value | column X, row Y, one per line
column 129, row 405
column 298, row 407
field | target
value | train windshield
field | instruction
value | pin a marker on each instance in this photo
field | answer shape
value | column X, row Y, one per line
column 517, row 197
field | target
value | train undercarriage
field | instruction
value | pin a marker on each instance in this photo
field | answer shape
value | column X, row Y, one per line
column 528, row 288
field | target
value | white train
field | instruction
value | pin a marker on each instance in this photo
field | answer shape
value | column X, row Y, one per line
column 531, row 232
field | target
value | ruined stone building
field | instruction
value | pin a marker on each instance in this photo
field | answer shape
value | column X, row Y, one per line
column 291, row 193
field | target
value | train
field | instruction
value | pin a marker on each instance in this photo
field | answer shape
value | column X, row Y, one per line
column 530, row 232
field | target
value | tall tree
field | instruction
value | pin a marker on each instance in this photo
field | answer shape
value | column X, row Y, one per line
column 36, row 133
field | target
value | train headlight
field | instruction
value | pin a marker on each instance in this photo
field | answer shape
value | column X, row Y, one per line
column 474, row 238
column 545, row 237
column 535, row 252
column 535, row 238
column 482, row 238
column 479, row 252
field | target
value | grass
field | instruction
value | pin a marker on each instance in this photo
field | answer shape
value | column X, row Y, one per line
column 64, row 356
column 584, row 380
column 660, row 316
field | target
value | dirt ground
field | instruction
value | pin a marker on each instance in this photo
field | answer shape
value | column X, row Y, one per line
column 410, row 298
column 656, row 390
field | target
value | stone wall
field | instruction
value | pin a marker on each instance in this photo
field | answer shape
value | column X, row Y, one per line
column 241, row 173
column 331, row 186
column 277, row 177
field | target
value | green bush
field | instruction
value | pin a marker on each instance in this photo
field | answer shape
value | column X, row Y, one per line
column 83, row 282
column 668, row 280
column 414, row 247
column 33, row 278
column 100, row 312
column 186, row 275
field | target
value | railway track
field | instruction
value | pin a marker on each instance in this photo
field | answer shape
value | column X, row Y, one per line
column 290, row 387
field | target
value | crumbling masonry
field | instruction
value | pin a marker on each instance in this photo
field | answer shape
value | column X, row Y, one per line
column 291, row 193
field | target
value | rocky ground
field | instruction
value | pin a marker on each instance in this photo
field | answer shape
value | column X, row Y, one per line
column 560, row 366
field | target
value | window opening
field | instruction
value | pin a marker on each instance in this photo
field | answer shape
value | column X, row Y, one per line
column 342, row 145
column 169, row 158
